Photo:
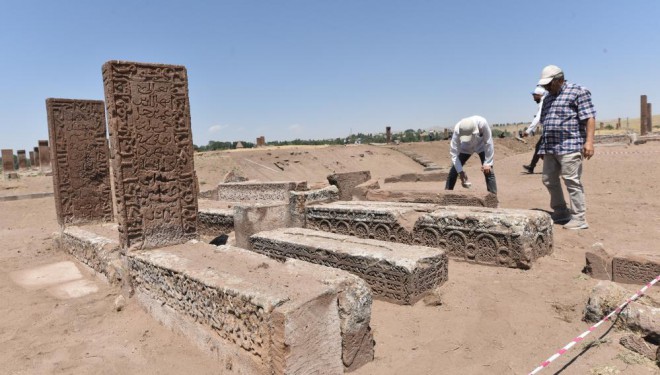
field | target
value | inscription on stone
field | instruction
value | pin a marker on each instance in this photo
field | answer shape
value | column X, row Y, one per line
column 81, row 174
column 150, row 137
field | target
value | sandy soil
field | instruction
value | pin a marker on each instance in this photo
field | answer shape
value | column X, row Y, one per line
column 491, row 320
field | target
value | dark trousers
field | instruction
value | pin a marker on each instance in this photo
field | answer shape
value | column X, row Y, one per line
column 491, row 184
column 535, row 158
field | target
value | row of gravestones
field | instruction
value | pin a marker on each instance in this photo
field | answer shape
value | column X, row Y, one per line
column 39, row 157
column 152, row 155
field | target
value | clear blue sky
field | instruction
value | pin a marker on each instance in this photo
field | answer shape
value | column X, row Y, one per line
column 289, row 69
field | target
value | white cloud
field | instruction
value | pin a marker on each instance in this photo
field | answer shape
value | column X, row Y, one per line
column 216, row 128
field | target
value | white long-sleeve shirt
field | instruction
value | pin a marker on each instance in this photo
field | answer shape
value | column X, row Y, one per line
column 480, row 142
column 535, row 122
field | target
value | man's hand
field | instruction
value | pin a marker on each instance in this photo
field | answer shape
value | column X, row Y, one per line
column 486, row 169
column 463, row 177
column 588, row 150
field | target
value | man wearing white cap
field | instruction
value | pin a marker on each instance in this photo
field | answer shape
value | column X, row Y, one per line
column 538, row 94
column 569, row 122
column 471, row 135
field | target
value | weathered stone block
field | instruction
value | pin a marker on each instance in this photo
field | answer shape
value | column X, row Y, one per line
column 22, row 161
column 81, row 172
column 153, row 167
column 396, row 273
column 346, row 182
column 417, row 177
column 300, row 199
column 251, row 312
column 360, row 191
column 212, row 221
column 635, row 269
column 598, row 263
column 96, row 246
column 251, row 219
column 44, row 156
column 440, row 197
column 499, row 237
column 258, row 192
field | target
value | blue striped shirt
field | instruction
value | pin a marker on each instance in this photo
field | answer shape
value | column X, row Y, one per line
column 564, row 117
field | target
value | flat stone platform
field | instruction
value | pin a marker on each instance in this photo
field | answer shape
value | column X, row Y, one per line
column 490, row 236
column 397, row 273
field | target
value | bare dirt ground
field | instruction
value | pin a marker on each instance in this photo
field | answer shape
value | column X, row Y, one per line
column 491, row 320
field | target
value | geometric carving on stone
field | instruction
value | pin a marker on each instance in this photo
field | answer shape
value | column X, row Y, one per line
column 499, row 237
column 277, row 191
column 151, row 140
column 248, row 309
column 81, row 173
column 396, row 273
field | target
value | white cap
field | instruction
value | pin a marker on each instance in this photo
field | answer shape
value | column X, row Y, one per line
column 548, row 73
column 467, row 127
column 539, row 91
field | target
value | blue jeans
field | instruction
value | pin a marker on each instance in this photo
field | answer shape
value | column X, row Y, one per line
column 491, row 184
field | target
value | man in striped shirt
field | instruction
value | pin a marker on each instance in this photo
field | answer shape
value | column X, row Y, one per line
column 569, row 122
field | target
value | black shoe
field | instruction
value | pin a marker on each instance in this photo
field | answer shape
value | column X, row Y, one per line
column 529, row 169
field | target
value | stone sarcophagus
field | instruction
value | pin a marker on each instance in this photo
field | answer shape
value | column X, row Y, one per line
column 396, row 273
column 491, row 236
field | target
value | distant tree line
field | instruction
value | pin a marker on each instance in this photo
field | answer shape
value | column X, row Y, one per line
column 406, row 136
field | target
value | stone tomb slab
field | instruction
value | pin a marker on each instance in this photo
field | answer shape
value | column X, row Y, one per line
column 22, row 161
column 258, row 192
column 255, row 314
column 44, row 156
column 81, row 173
column 396, row 273
column 491, row 236
column 434, row 196
column 153, row 168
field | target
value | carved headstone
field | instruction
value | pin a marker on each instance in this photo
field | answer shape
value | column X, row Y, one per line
column 31, row 159
column 44, row 156
column 36, row 156
column 649, row 117
column 154, row 174
column 7, row 160
column 22, row 161
column 81, row 174
column 388, row 134
column 644, row 110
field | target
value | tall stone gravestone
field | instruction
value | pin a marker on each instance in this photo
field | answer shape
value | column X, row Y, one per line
column 81, row 174
column 31, row 159
column 22, row 161
column 7, row 161
column 44, row 156
column 153, row 170
column 36, row 156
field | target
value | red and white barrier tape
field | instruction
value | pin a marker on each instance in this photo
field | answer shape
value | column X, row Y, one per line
column 583, row 335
